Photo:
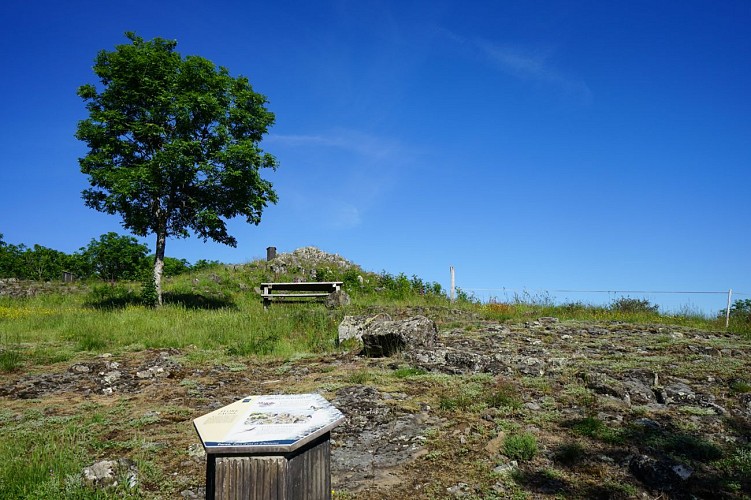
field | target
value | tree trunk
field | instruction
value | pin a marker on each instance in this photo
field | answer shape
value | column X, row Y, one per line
column 161, row 240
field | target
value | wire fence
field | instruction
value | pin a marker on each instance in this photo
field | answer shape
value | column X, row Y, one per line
column 706, row 303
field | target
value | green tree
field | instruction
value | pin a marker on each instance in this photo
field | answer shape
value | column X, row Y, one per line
column 174, row 267
column 10, row 259
column 173, row 144
column 42, row 263
column 740, row 311
column 114, row 257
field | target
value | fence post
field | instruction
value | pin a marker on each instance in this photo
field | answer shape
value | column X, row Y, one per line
column 727, row 310
column 453, row 285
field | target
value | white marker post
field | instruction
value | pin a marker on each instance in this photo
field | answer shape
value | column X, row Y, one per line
column 727, row 311
column 453, row 285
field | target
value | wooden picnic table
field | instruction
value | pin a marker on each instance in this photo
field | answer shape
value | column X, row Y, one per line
column 295, row 290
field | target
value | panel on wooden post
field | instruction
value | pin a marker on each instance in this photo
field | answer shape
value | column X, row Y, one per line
column 269, row 447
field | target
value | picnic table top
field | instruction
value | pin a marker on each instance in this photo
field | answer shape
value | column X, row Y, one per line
column 304, row 285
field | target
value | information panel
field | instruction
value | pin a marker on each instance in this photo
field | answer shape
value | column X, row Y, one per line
column 274, row 422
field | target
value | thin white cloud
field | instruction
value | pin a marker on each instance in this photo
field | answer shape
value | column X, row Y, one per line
column 525, row 63
column 369, row 146
column 360, row 168
column 522, row 63
column 532, row 64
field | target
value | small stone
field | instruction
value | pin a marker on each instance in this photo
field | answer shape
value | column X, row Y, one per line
column 458, row 490
column 494, row 445
column 683, row 471
column 80, row 369
column 196, row 450
column 107, row 473
column 112, row 377
column 548, row 319
column 508, row 468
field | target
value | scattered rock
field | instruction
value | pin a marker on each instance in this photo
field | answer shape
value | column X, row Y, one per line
column 196, row 450
column 679, row 392
column 508, row 468
column 107, row 474
column 602, row 383
column 458, row 490
column 375, row 436
column 494, row 445
column 665, row 474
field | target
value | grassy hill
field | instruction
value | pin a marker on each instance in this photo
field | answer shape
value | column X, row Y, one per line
column 596, row 404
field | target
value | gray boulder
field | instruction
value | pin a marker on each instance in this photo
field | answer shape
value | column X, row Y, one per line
column 352, row 327
column 336, row 299
column 387, row 338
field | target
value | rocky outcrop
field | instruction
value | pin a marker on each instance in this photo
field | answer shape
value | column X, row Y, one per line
column 353, row 327
column 306, row 260
column 15, row 288
column 386, row 338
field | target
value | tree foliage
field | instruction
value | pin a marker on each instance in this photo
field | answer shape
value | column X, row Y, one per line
column 173, row 144
column 33, row 263
column 740, row 311
column 114, row 257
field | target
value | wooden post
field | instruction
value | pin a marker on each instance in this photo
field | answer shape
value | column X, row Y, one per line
column 453, row 285
column 727, row 311
column 269, row 447
column 304, row 474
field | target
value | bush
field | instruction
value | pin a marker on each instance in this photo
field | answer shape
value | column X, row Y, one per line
column 149, row 295
column 629, row 305
column 520, row 446
column 503, row 395
column 739, row 311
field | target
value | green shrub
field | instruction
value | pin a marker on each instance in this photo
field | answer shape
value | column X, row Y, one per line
column 149, row 295
column 10, row 359
column 595, row 428
column 740, row 386
column 629, row 305
column 503, row 395
column 520, row 446
column 740, row 311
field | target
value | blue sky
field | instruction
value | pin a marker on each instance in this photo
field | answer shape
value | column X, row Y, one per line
column 534, row 145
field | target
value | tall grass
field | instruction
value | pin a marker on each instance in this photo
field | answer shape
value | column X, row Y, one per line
column 216, row 310
column 243, row 327
column 637, row 312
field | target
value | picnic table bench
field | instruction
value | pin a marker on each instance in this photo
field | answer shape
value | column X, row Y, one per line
column 294, row 291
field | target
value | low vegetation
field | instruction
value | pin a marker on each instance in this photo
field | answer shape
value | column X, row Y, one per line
column 214, row 327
